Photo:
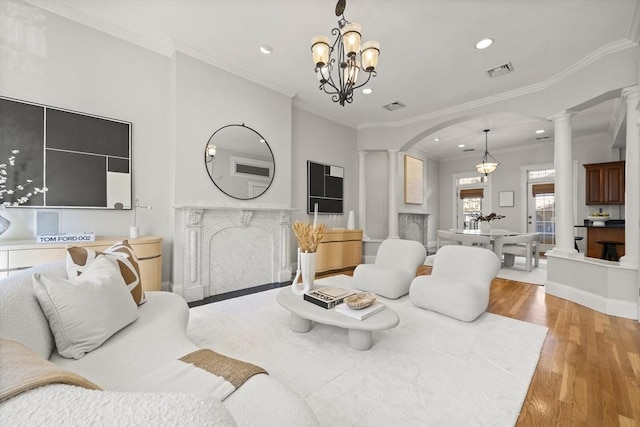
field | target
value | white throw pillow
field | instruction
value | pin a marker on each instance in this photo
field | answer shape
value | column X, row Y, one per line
column 85, row 311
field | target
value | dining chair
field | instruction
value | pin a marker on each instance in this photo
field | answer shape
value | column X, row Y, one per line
column 474, row 240
column 524, row 245
column 444, row 237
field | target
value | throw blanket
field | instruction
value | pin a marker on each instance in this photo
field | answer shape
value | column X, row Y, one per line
column 23, row 370
column 233, row 370
column 202, row 371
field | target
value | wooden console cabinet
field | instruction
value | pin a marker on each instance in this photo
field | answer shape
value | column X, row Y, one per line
column 604, row 183
column 339, row 249
column 21, row 254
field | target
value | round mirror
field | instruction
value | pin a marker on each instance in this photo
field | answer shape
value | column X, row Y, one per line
column 239, row 162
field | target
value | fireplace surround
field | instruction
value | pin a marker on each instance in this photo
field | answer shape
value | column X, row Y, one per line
column 228, row 248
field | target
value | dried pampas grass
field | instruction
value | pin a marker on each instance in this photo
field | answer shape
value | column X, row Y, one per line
column 308, row 236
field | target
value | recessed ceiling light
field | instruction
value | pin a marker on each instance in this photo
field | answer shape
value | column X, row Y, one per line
column 266, row 49
column 367, row 90
column 540, row 131
column 437, row 139
column 460, row 145
column 484, row 43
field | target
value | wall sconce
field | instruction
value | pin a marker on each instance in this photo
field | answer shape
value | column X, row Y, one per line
column 134, row 231
column 210, row 153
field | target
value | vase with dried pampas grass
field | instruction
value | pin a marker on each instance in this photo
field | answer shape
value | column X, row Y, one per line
column 309, row 237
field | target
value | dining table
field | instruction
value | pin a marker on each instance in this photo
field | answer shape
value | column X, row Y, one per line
column 493, row 233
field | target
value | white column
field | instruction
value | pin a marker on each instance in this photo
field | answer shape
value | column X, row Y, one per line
column 563, row 164
column 631, row 257
column 393, row 193
column 362, row 193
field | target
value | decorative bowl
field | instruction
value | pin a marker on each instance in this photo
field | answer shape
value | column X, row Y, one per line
column 598, row 221
column 361, row 300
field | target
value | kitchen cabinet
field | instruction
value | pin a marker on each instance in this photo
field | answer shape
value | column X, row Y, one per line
column 604, row 183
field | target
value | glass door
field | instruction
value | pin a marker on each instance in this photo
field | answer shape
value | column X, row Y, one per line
column 542, row 214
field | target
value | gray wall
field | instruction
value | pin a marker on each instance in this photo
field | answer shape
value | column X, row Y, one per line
column 65, row 64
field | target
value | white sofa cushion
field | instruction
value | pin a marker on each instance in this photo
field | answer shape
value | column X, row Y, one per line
column 64, row 405
column 21, row 318
column 155, row 339
column 84, row 312
column 79, row 258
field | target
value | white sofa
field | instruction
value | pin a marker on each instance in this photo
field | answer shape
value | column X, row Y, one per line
column 158, row 337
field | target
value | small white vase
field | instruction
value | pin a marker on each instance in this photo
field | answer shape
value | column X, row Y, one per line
column 351, row 221
column 485, row 226
column 134, row 232
column 308, row 267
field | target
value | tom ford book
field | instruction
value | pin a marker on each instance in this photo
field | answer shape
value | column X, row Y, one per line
column 328, row 297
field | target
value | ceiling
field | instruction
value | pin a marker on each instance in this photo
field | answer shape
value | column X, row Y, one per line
column 428, row 60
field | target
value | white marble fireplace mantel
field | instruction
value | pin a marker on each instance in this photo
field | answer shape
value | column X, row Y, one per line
column 414, row 226
column 231, row 247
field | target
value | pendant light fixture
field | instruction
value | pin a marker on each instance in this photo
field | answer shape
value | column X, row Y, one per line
column 338, row 65
column 488, row 164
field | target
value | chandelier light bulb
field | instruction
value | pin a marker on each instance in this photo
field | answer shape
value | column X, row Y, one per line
column 351, row 38
column 320, row 50
column 370, row 53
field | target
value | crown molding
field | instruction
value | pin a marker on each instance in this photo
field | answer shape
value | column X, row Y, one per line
column 309, row 108
column 164, row 49
column 179, row 46
column 596, row 55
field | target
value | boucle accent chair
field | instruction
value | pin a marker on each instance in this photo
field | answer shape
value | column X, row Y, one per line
column 395, row 267
column 459, row 283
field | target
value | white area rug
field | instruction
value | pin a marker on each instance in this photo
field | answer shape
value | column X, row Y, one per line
column 429, row 370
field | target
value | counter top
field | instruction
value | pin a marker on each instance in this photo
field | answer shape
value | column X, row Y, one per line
column 612, row 223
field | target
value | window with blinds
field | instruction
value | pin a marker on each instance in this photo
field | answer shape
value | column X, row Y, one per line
column 539, row 189
column 472, row 193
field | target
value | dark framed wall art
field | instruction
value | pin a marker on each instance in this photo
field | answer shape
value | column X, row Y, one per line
column 325, row 188
column 84, row 160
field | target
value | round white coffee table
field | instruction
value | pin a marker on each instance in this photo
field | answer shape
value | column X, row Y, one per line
column 304, row 312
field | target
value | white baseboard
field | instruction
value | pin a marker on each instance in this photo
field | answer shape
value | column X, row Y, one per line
column 613, row 307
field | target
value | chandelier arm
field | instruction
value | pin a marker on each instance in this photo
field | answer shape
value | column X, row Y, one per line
column 370, row 73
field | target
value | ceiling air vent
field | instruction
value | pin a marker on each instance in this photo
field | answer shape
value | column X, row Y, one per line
column 500, row 70
column 394, row 106
column 540, row 138
column 466, row 150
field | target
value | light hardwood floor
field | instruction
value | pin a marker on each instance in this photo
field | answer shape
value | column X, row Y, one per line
column 589, row 368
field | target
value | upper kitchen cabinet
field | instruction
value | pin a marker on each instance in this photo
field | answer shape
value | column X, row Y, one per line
column 605, row 183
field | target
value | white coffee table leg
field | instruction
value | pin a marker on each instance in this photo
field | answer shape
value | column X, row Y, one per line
column 360, row 340
column 299, row 324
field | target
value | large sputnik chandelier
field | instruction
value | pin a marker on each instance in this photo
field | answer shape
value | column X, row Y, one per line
column 337, row 66
column 488, row 164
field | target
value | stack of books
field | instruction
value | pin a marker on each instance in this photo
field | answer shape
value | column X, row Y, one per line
column 362, row 313
column 328, row 297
